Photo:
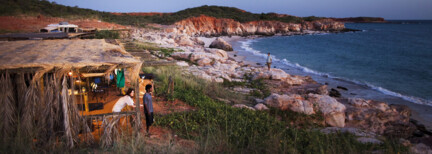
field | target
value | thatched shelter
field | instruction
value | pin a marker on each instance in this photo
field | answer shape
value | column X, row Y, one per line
column 34, row 99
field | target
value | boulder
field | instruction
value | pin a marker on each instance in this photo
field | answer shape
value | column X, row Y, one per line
column 184, row 40
column 182, row 63
column 261, row 107
column 420, row 149
column 243, row 90
column 218, row 80
column 198, row 41
column 277, row 74
column 322, row 90
column 341, row 87
column 366, row 140
column 336, row 119
column 202, row 75
column 359, row 103
column 219, row 43
column 355, row 131
column 334, row 112
column 204, row 61
column 228, row 68
column 182, row 55
column 334, row 93
column 242, row 106
column 294, row 80
column 259, row 101
column 221, row 53
column 195, row 56
column 291, row 102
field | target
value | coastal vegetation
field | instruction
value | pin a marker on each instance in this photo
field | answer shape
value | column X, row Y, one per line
column 107, row 34
column 217, row 127
column 52, row 9
column 153, row 48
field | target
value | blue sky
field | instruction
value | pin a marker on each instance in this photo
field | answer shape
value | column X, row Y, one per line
column 389, row 9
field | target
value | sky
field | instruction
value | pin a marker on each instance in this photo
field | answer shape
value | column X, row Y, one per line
column 388, row 9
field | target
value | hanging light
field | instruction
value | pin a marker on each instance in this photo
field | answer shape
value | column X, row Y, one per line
column 70, row 73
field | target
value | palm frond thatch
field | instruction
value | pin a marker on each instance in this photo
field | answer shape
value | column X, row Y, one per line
column 7, row 109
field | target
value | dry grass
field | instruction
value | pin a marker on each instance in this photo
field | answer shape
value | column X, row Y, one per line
column 7, row 111
column 40, row 116
column 61, row 53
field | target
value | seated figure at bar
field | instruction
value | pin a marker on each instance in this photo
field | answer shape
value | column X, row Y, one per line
column 125, row 100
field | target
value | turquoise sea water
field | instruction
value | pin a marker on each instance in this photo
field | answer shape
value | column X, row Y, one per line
column 392, row 58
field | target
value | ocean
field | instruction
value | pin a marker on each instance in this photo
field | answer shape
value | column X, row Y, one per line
column 390, row 62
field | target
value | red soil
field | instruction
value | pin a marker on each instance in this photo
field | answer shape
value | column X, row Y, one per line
column 34, row 24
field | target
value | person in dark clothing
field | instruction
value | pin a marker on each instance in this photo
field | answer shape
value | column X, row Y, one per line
column 148, row 106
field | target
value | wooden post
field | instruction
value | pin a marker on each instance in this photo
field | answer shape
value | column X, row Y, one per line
column 138, row 106
column 88, row 89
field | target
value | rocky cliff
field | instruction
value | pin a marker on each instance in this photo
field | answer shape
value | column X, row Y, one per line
column 211, row 26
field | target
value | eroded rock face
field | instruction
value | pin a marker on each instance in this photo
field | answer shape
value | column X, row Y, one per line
column 379, row 117
column 220, row 43
column 211, row 26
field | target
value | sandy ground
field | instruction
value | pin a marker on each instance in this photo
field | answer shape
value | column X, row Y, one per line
column 34, row 24
column 160, row 139
column 160, row 105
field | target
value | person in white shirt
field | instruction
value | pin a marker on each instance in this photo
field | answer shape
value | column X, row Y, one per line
column 125, row 100
column 269, row 61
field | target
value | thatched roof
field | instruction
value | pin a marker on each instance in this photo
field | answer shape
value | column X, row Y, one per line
column 47, row 64
column 62, row 53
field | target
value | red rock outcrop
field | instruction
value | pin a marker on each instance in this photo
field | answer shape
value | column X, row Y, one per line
column 211, row 26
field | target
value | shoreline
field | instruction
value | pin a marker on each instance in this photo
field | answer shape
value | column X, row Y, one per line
column 420, row 112
column 216, row 65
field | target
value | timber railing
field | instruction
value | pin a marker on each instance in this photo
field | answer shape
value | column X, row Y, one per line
column 107, row 126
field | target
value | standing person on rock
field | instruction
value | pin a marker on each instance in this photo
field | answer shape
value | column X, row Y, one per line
column 269, row 61
column 148, row 107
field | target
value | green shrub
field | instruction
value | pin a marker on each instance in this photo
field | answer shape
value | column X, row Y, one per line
column 167, row 51
column 107, row 34
column 46, row 8
column 219, row 128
